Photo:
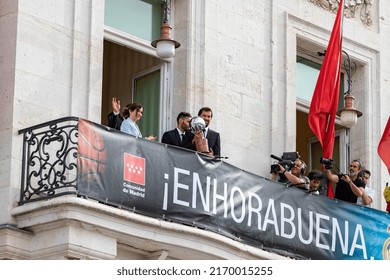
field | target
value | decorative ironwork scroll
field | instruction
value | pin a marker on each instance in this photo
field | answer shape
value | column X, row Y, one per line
column 49, row 160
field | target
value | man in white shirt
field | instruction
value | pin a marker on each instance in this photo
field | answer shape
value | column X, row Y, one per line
column 369, row 193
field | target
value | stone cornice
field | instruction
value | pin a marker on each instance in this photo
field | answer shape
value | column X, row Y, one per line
column 353, row 8
column 133, row 230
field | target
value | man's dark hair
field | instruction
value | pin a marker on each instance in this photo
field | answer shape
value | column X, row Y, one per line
column 367, row 172
column 315, row 174
column 183, row 115
column 205, row 109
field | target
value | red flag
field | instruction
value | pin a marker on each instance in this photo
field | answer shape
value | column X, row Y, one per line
column 384, row 146
column 324, row 103
column 134, row 169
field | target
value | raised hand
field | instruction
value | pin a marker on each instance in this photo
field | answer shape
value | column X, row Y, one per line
column 116, row 105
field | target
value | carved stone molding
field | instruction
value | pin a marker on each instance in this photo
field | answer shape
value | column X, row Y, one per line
column 353, row 8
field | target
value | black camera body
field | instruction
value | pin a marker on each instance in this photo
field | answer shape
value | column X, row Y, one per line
column 275, row 168
column 287, row 161
column 327, row 162
column 290, row 156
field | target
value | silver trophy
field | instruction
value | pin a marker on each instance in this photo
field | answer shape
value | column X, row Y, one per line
column 197, row 124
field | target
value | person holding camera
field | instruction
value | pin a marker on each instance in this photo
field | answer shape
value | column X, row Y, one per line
column 369, row 193
column 348, row 186
column 293, row 177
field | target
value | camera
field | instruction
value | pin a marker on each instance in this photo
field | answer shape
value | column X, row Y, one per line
column 327, row 162
column 275, row 168
column 290, row 156
column 287, row 161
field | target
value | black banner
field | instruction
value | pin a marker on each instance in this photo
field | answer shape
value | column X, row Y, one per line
column 176, row 184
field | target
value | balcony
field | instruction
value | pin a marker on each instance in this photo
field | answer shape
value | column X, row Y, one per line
column 90, row 192
column 56, row 220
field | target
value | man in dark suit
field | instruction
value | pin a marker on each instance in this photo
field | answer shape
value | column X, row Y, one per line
column 180, row 136
column 213, row 137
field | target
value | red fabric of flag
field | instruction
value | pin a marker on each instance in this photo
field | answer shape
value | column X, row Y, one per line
column 134, row 169
column 324, row 103
column 384, row 146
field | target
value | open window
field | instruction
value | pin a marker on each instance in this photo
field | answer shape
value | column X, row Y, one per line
column 131, row 69
column 308, row 64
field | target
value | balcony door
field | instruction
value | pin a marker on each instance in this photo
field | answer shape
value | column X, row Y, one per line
column 146, row 88
column 307, row 144
column 131, row 70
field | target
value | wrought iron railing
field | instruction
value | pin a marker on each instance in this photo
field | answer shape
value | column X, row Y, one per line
column 49, row 166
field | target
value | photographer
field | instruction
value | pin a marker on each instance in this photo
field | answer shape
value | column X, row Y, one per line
column 348, row 187
column 293, row 177
column 369, row 193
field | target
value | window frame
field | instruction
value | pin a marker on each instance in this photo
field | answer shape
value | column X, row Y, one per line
column 144, row 46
